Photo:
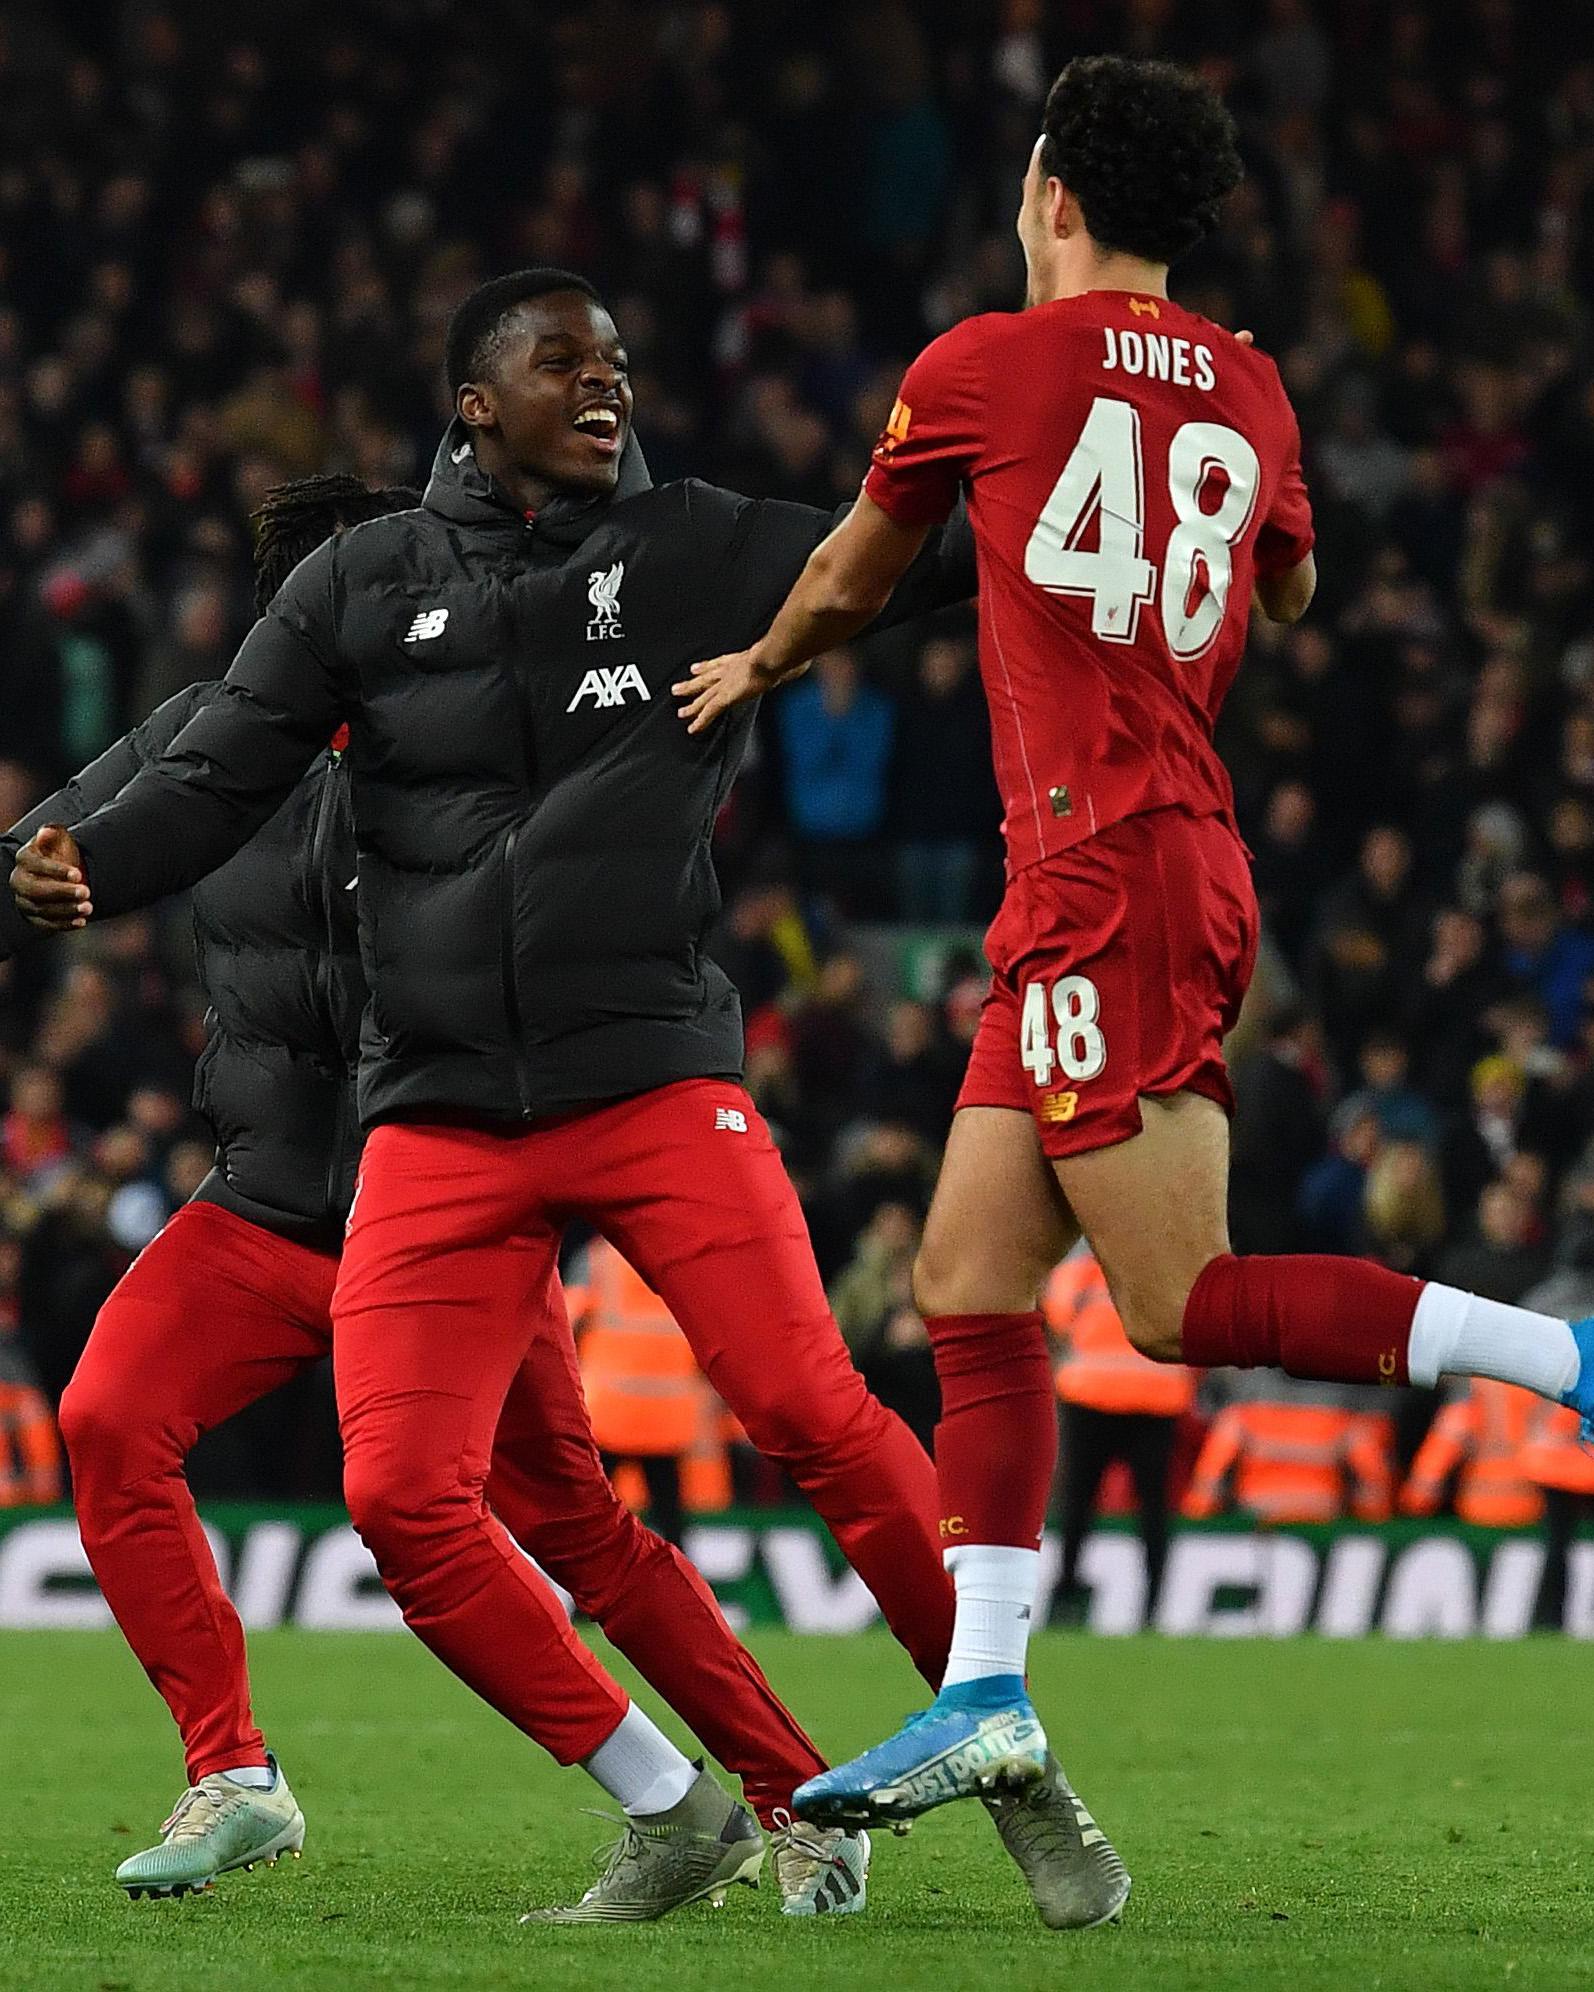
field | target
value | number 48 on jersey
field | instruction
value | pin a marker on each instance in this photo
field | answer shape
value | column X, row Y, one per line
column 1104, row 479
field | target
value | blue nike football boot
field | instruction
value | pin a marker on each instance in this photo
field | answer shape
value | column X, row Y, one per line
column 974, row 1740
column 1580, row 1398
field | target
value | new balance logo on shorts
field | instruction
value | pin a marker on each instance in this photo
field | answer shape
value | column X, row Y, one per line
column 427, row 624
column 730, row 1117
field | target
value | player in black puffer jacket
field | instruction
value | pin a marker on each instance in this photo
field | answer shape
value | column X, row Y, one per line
column 546, row 1039
column 233, row 1298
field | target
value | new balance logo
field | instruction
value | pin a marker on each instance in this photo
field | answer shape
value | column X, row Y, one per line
column 603, row 592
column 731, row 1118
column 607, row 687
column 427, row 624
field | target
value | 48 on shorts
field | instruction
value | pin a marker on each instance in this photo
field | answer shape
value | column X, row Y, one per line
column 1059, row 1030
column 1118, row 966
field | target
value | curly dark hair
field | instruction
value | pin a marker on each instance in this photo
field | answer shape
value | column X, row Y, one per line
column 293, row 519
column 1147, row 149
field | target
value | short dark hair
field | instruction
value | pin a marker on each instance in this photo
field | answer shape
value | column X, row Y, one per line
column 477, row 328
column 293, row 519
column 1147, row 149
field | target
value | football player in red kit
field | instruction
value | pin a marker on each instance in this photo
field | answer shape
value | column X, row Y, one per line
column 1133, row 477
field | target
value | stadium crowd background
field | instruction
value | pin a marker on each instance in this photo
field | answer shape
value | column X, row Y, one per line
column 230, row 240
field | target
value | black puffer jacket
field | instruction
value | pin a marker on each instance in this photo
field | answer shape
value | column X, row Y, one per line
column 533, row 819
column 277, row 947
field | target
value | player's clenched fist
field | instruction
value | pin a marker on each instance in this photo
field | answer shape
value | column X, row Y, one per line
column 47, row 882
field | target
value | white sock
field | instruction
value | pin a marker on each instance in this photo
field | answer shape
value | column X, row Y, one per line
column 995, row 1601
column 1461, row 1334
column 255, row 1777
column 639, row 1767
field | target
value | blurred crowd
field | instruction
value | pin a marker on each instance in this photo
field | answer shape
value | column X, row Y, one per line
column 230, row 240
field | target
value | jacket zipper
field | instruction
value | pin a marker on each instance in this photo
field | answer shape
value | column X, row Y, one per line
column 319, row 881
column 334, row 1172
column 506, row 962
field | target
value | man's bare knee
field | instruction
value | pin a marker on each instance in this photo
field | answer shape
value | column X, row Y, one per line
column 1153, row 1317
column 1155, row 1331
column 937, row 1280
column 965, row 1282
column 998, row 1223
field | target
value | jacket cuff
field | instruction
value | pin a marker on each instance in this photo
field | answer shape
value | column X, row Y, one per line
column 15, row 933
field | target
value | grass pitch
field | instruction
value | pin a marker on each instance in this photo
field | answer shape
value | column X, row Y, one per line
column 1304, row 1815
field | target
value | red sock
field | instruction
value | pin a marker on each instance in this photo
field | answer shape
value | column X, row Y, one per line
column 996, row 1444
column 1332, row 1320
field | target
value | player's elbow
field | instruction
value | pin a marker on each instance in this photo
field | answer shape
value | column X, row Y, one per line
column 855, row 602
column 1294, row 602
column 1285, row 598
column 845, row 590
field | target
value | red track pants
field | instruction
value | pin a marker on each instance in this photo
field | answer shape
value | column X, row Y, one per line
column 216, row 1313
column 451, row 1253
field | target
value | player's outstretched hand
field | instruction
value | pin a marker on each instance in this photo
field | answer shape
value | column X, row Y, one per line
column 717, row 684
column 47, row 882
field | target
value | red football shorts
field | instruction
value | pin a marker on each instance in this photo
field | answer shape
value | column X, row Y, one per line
column 1119, row 968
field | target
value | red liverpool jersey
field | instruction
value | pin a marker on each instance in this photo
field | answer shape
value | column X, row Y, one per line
column 1130, row 469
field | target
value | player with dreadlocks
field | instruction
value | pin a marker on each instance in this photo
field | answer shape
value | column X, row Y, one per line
column 294, row 518
column 233, row 1299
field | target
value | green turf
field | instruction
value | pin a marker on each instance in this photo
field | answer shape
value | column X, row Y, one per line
column 1301, row 1816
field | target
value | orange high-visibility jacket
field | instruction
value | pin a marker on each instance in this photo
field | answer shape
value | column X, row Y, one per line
column 1554, row 1455
column 1295, row 1463
column 30, row 1448
column 1100, row 1366
column 1483, row 1433
column 641, row 1382
column 706, row 1463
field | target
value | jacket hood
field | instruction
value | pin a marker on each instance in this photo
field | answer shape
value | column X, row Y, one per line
column 460, row 490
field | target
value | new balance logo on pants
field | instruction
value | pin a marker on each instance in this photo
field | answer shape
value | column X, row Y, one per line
column 730, row 1117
